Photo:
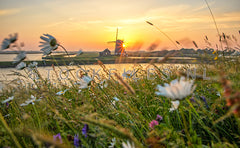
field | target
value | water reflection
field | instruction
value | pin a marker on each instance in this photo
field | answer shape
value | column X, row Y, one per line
column 75, row 72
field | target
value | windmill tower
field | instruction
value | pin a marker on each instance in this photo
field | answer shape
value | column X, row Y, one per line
column 119, row 46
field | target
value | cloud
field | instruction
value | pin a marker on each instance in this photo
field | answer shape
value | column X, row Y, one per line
column 5, row 12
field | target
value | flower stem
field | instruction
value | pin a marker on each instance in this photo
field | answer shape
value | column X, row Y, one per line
column 9, row 131
column 38, row 119
column 64, row 49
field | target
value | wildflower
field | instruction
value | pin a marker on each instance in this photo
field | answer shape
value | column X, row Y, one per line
column 153, row 123
column 115, row 99
column 13, row 38
column 8, row 99
column 103, row 84
column 31, row 101
column 21, row 66
column 79, row 53
column 128, row 145
column 159, row 118
column 85, row 130
column 175, row 105
column 177, row 90
column 215, row 58
column 84, row 82
column 33, row 65
column 7, row 41
column 5, row 44
column 87, row 79
column 49, row 44
column 112, row 143
column 192, row 100
column 76, row 141
column 61, row 92
column 218, row 94
column 7, row 104
column 57, row 137
column 20, row 57
column 128, row 74
column 205, row 101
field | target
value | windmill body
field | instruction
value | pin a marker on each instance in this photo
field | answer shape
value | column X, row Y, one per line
column 119, row 48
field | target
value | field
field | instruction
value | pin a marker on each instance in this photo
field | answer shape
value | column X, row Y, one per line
column 102, row 112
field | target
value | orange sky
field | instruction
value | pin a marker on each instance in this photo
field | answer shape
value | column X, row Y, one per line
column 90, row 24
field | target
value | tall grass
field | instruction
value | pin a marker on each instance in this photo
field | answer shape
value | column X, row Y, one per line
column 193, row 124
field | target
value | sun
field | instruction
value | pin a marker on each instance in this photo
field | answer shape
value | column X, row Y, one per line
column 124, row 45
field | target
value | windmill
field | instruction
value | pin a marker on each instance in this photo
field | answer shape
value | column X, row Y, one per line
column 119, row 46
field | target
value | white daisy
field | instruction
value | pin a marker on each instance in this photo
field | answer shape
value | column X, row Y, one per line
column 49, row 44
column 177, row 90
column 13, row 38
column 128, row 74
column 112, row 143
column 21, row 66
column 20, row 57
column 33, row 65
column 61, row 92
column 84, row 82
column 8, row 99
column 5, row 44
column 175, row 105
column 79, row 53
column 115, row 99
column 30, row 101
column 128, row 145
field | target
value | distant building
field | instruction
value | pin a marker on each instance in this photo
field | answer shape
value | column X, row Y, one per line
column 105, row 53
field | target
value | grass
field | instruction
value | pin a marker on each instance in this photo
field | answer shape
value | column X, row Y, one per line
column 198, row 123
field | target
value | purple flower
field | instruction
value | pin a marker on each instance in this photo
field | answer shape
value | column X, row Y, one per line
column 57, row 137
column 192, row 100
column 205, row 101
column 85, row 130
column 7, row 104
column 159, row 118
column 153, row 123
column 76, row 141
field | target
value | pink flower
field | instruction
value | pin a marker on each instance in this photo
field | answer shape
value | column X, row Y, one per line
column 153, row 123
column 159, row 118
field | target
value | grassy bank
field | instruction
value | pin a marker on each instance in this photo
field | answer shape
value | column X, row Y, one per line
column 112, row 111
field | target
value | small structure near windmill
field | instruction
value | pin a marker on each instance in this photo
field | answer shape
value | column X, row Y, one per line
column 119, row 46
column 105, row 53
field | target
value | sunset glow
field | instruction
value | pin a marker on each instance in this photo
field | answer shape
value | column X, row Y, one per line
column 90, row 24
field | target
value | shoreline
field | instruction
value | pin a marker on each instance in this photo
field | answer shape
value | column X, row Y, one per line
column 110, row 61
